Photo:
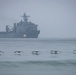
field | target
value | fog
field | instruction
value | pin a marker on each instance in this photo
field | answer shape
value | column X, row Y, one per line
column 55, row 18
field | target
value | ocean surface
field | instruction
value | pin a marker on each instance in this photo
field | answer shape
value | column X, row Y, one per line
column 42, row 56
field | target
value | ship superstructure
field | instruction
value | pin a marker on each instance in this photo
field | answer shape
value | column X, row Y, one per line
column 22, row 29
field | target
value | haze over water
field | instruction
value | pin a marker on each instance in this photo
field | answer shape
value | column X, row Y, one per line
column 56, row 19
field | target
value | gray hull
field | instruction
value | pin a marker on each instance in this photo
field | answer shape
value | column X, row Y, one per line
column 19, row 35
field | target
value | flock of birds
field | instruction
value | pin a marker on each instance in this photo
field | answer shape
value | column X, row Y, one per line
column 36, row 52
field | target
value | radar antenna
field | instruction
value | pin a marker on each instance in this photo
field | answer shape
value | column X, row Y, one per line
column 25, row 17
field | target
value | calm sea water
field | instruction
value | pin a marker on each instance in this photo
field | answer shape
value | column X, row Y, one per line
column 37, row 56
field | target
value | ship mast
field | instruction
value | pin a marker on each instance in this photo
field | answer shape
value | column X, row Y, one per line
column 25, row 17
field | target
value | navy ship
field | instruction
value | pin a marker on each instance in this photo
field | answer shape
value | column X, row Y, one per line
column 22, row 29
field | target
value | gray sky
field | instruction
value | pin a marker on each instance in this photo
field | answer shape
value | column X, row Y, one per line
column 55, row 18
